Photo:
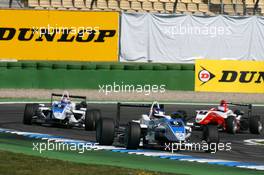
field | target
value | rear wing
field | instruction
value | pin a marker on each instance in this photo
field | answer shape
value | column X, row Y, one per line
column 244, row 105
column 70, row 96
column 131, row 105
column 240, row 104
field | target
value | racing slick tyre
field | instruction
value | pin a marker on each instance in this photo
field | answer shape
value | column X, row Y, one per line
column 105, row 131
column 211, row 137
column 238, row 112
column 133, row 134
column 179, row 114
column 80, row 105
column 29, row 112
column 91, row 118
column 255, row 125
column 183, row 114
column 231, row 126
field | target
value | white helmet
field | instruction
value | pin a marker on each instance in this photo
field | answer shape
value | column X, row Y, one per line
column 65, row 97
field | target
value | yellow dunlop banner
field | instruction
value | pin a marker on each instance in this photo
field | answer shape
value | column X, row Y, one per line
column 229, row 76
column 58, row 35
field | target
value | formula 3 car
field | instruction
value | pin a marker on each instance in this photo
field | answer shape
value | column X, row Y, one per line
column 155, row 128
column 63, row 112
column 230, row 121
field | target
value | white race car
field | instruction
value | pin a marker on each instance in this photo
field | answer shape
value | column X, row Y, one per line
column 230, row 121
column 63, row 112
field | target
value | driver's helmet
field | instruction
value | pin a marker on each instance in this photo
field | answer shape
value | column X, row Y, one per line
column 223, row 106
column 65, row 98
column 157, row 112
column 223, row 103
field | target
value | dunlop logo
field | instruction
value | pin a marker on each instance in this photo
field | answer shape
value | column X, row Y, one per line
column 229, row 76
column 242, row 76
column 29, row 34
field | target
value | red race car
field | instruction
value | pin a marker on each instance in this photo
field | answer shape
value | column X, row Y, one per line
column 228, row 120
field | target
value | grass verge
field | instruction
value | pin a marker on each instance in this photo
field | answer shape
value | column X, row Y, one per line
column 21, row 164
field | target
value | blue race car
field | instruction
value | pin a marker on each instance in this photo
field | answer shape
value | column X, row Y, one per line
column 64, row 112
column 154, row 128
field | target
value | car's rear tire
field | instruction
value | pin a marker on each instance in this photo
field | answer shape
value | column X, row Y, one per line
column 255, row 125
column 183, row 112
column 231, row 125
column 133, row 135
column 105, row 131
column 180, row 114
column 238, row 112
column 91, row 118
column 29, row 112
column 244, row 125
column 211, row 136
column 80, row 105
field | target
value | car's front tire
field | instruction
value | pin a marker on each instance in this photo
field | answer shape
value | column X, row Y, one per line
column 29, row 112
column 105, row 131
column 231, row 125
column 211, row 136
column 91, row 118
column 133, row 135
column 255, row 125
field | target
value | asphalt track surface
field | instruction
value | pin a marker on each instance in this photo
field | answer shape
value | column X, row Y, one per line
column 11, row 117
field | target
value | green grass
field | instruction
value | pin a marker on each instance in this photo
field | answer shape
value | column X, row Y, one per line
column 21, row 164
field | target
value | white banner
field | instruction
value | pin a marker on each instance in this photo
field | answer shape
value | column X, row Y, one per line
column 184, row 38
